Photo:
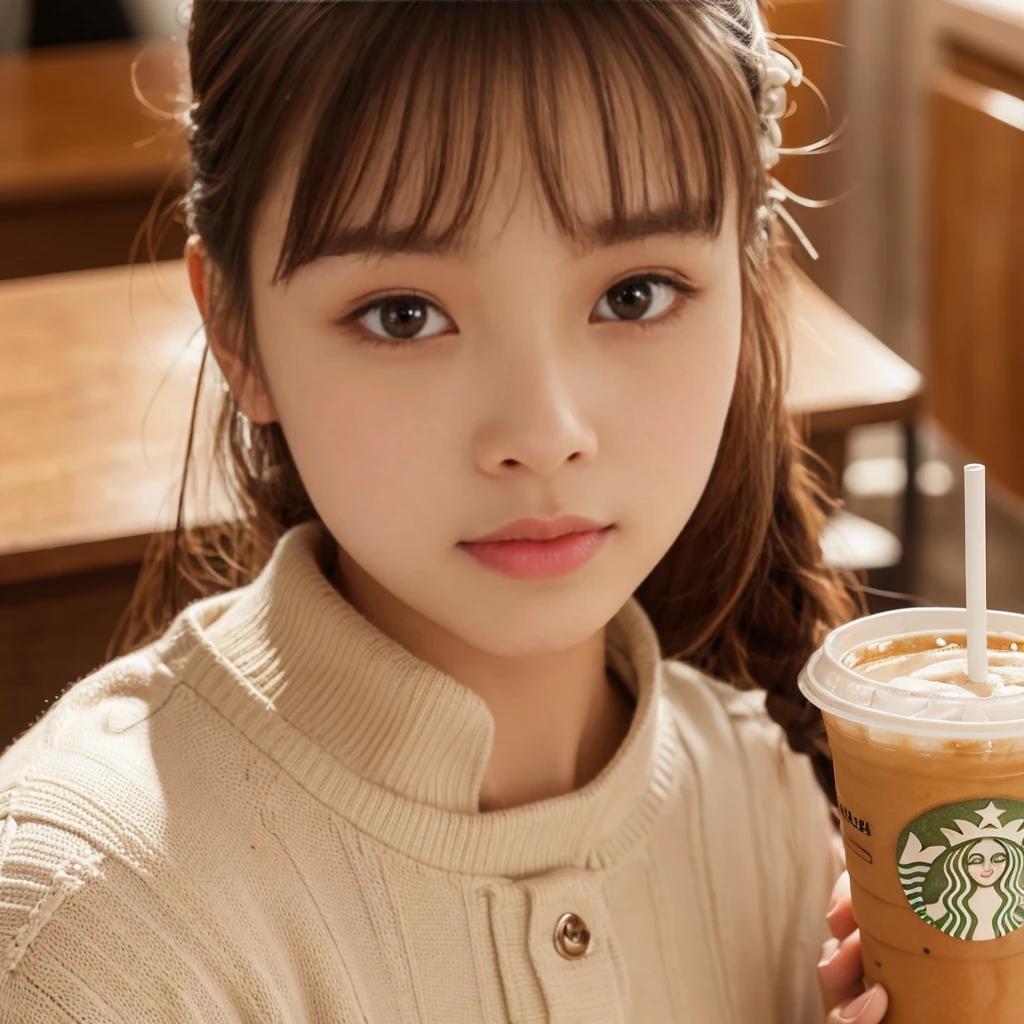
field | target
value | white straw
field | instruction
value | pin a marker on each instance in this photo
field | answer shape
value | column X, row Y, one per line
column 974, row 547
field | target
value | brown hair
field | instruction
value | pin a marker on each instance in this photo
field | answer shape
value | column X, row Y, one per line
column 266, row 75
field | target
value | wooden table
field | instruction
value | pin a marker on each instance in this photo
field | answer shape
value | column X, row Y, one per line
column 844, row 377
column 82, row 159
column 100, row 371
column 93, row 425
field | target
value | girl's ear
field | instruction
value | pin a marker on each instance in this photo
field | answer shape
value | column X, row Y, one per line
column 249, row 394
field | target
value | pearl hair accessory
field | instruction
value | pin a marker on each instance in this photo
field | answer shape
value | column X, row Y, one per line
column 775, row 73
column 777, row 69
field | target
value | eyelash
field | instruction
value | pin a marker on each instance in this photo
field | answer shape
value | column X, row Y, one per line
column 683, row 288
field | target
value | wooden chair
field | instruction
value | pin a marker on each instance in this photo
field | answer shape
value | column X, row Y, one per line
column 100, row 368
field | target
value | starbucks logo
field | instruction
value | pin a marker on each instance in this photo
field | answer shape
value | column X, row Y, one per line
column 961, row 868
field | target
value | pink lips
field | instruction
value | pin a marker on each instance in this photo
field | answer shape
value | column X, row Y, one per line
column 535, row 548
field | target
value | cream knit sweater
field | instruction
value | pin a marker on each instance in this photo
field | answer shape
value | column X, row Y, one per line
column 270, row 815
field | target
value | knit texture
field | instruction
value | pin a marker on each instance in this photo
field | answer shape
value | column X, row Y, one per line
column 270, row 815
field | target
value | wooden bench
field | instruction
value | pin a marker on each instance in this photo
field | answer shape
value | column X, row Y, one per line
column 95, row 400
column 82, row 159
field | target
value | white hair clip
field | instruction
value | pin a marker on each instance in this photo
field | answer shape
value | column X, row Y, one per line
column 777, row 69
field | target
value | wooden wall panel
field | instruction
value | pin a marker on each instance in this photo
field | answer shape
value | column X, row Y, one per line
column 976, row 272
column 816, row 19
column 820, row 175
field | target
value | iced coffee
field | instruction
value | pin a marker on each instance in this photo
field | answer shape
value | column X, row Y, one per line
column 930, row 777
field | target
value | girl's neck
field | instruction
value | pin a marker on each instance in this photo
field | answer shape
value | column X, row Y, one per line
column 558, row 720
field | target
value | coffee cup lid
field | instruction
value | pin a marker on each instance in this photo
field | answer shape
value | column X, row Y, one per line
column 938, row 711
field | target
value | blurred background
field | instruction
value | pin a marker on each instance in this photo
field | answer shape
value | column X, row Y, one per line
column 907, row 353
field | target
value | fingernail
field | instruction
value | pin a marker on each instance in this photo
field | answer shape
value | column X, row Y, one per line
column 828, row 952
column 839, row 891
column 859, row 1005
column 832, row 904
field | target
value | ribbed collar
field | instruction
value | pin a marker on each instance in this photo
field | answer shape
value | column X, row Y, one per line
column 390, row 741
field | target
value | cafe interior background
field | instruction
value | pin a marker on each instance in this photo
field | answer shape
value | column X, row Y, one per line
column 908, row 356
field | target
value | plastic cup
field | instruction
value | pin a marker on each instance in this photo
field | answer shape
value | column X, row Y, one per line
column 930, row 780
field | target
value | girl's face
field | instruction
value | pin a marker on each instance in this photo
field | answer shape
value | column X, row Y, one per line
column 987, row 862
column 539, row 381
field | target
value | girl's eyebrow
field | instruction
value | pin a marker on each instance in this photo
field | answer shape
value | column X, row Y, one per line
column 361, row 241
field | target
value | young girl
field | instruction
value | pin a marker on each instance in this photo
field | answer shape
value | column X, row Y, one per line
column 469, row 721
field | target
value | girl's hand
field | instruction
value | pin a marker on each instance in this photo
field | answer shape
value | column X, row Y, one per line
column 840, row 972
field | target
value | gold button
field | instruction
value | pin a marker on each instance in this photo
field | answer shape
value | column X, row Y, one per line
column 572, row 938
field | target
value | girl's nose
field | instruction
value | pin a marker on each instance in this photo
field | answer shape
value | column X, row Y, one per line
column 536, row 421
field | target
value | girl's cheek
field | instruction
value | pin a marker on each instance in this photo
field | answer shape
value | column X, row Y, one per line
column 675, row 432
column 690, row 399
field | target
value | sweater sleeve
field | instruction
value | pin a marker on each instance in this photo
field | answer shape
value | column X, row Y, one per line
column 61, row 998
column 797, row 859
column 74, row 948
column 43, row 978
column 816, row 860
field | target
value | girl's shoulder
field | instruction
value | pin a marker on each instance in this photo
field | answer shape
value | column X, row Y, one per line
column 115, row 831
column 735, row 745
column 67, row 851
column 690, row 690
column 763, row 815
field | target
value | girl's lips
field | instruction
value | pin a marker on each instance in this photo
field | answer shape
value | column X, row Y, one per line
column 537, row 559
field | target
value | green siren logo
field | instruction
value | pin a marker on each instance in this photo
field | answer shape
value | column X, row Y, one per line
column 961, row 868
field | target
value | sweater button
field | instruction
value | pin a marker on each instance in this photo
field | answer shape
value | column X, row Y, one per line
column 572, row 937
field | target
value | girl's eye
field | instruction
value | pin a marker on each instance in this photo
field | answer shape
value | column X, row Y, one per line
column 998, row 858
column 635, row 298
column 398, row 319
column 975, row 858
column 408, row 318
